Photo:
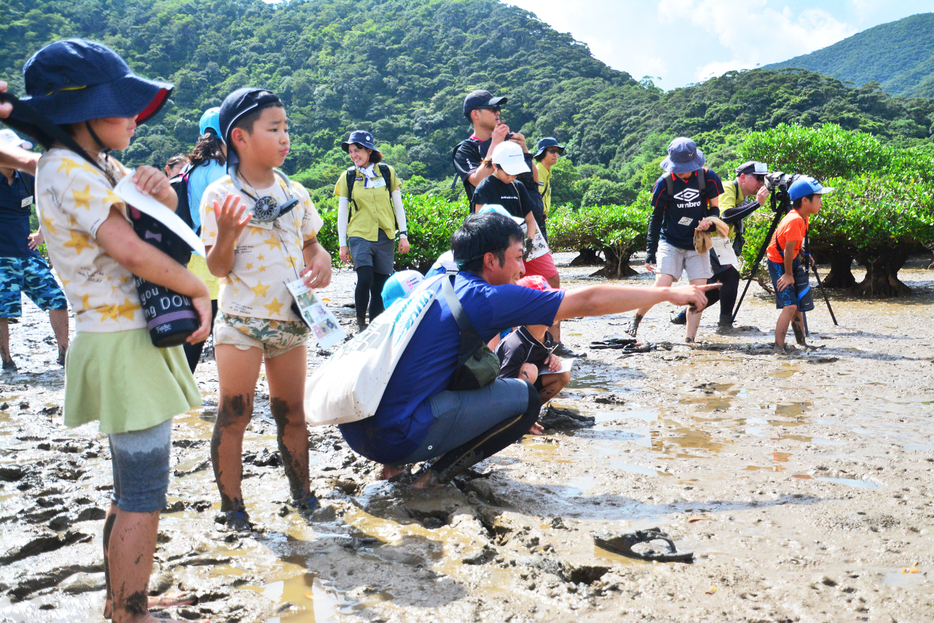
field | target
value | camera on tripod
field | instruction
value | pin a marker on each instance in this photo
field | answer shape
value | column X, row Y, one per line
column 778, row 184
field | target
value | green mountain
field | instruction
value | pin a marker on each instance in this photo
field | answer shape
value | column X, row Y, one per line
column 401, row 68
column 898, row 55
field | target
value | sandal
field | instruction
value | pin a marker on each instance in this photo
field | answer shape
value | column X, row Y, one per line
column 624, row 544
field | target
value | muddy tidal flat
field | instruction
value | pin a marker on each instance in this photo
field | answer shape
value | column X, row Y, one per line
column 802, row 481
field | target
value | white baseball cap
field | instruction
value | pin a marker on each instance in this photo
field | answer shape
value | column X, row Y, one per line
column 9, row 136
column 509, row 156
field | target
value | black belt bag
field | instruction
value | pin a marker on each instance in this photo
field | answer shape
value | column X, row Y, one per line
column 477, row 365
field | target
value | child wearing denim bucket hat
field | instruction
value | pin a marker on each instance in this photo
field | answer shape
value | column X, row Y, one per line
column 92, row 103
column 683, row 199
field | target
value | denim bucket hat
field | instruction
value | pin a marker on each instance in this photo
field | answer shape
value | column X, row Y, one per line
column 683, row 156
column 360, row 137
column 544, row 144
column 210, row 120
column 76, row 80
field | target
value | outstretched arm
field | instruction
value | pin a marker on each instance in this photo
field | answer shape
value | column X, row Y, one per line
column 606, row 299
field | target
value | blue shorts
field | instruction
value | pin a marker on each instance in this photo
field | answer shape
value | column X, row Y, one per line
column 463, row 415
column 140, row 461
column 33, row 276
column 799, row 295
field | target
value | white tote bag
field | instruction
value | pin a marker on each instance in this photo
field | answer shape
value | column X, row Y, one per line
column 349, row 386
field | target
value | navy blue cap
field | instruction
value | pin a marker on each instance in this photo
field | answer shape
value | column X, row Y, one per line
column 479, row 99
column 545, row 143
column 752, row 168
column 683, row 156
column 75, row 80
column 241, row 102
column 806, row 185
column 360, row 137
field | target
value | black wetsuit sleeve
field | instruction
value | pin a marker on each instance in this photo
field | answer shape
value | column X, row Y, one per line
column 655, row 230
column 733, row 215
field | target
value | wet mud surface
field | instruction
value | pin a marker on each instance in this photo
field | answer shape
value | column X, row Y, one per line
column 801, row 480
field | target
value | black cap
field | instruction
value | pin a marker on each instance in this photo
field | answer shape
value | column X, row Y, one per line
column 479, row 99
column 752, row 168
column 241, row 102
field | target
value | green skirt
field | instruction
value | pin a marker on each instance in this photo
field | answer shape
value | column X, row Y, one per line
column 125, row 382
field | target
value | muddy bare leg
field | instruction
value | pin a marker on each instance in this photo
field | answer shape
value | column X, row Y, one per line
column 797, row 326
column 286, row 376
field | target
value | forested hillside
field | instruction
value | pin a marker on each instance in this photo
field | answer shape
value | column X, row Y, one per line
column 402, row 67
column 898, row 55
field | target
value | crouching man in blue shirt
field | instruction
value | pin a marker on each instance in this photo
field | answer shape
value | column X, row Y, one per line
column 419, row 418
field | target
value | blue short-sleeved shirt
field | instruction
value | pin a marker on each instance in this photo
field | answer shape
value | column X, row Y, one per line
column 428, row 363
column 200, row 178
column 16, row 204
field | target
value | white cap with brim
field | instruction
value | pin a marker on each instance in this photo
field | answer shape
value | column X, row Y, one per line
column 495, row 207
column 510, row 157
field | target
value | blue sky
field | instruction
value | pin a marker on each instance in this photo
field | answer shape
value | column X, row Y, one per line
column 677, row 42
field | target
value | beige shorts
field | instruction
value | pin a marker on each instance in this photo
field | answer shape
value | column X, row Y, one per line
column 273, row 337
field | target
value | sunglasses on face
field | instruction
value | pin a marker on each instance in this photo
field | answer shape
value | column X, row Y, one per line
column 759, row 178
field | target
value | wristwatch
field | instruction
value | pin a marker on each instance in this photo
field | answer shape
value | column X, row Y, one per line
column 403, row 234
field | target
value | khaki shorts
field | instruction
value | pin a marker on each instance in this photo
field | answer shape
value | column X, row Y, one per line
column 672, row 261
column 273, row 337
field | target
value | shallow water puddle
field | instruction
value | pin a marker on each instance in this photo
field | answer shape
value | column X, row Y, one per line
column 320, row 602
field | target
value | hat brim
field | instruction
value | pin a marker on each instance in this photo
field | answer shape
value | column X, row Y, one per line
column 129, row 96
column 684, row 167
column 515, row 168
column 542, row 150
column 823, row 191
column 346, row 146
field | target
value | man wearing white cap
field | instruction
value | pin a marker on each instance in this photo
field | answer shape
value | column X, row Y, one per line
column 22, row 269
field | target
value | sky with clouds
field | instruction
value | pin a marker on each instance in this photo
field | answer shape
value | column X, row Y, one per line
column 677, row 42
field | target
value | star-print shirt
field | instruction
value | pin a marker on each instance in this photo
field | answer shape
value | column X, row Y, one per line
column 267, row 255
column 73, row 199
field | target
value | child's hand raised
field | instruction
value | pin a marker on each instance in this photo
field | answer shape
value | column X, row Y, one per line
column 230, row 219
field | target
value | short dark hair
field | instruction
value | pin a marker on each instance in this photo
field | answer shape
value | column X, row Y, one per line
column 481, row 234
column 797, row 202
column 375, row 157
column 176, row 159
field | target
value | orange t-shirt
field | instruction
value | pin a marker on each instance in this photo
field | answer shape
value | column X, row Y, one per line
column 793, row 227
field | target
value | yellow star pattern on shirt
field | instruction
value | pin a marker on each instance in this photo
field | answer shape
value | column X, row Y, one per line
column 262, row 268
column 79, row 241
column 275, row 307
column 82, row 198
column 85, row 302
column 111, row 197
column 249, row 266
column 259, row 289
column 68, row 164
column 261, row 257
column 48, row 225
column 272, row 242
column 72, row 220
column 128, row 309
column 109, row 312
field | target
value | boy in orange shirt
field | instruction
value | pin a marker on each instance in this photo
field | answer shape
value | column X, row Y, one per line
column 792, row 288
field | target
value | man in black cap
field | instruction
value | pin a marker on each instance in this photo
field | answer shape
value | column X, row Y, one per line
column 735, row 205
column 482, row 111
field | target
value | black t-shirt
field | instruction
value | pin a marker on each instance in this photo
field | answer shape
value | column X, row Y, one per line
column 467, row 157
column 520, row 347
column 514, row 197
column 16, row 204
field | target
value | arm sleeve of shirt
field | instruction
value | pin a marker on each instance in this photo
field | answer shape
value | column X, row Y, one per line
column 89, row 196
column 398, row 209
column 214, row 192
column 659, row 200
column 714, row 189
column 340, row 188
column 734, row 214
column 481, row 196
column 512, row 305
column 394, row 182
column 343, row 211
column 466, row 159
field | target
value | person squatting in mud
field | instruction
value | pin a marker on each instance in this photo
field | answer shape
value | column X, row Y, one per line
column 113, row 372
column 419, row 418
column 255, row 248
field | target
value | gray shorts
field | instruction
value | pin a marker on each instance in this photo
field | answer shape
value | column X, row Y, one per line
column 140, row 461
column 672, row 261
column 377, row 254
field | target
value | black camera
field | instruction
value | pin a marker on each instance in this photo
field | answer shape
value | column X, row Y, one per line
column 509, row 136
column 778, row 184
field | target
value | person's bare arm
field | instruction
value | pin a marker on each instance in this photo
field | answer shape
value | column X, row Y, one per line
column 317, row 271
column 230, row 223
column 606, row 299
column 117, row 238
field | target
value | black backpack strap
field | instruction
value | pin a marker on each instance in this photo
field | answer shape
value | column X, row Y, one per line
column 460, row 316
column 670, row 183
column 702, row 182
column 351, row 176
column 387, row 176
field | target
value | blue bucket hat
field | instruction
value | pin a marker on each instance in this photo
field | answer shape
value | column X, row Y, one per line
column 804, row 186
column 210, row 120
column 360, row 137
column 683, row 156
column 76, row 80
column 544, row 144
